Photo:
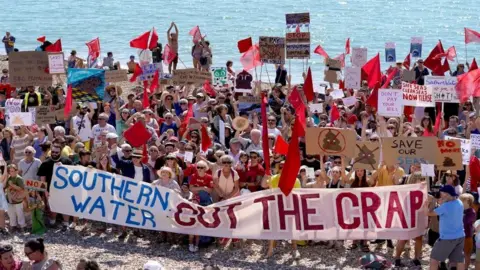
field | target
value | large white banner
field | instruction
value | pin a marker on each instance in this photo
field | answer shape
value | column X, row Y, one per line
column 443, row 88
column 395, row 212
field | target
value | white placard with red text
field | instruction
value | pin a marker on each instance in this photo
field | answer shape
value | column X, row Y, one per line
column 417, row 95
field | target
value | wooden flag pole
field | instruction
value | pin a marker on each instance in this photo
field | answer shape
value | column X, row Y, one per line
column 466, row 55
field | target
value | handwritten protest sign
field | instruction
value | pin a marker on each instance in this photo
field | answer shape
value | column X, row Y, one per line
column 297, row 18
column 316, row 108
column 44, row 116
column 367, row 155
column 475, row 141
column 56, row 63
column 313, row 214
column 298, row 51
column 20, row 119
column 219, row 76
column 29, row 69
column 349, row 101
column 416, row 47
column 36, row 185
column 331, row 73
column 359, row 57
column 337, row 94
column 247, row 104
column 390, row 102
column 417, row 95
column 352, row 77
column 443, row 88
column 149, row 71
column 60, row 114
column 406, row 151
column 272, row 50
column 295, row 38
column 466, row 148
column 190, row 76
column 12, row 106
column 112, row 76
column 330, row 141
column 390, row 55
column 449, row 156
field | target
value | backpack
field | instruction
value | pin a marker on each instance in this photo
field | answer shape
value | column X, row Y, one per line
column 373, row 261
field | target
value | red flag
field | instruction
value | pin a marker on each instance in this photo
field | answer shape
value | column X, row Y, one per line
column 195, row 33
column 406, row 62
column 436, row 128
column 186, row 119
column 372, row 71
column 145, row 154
column 390, row 76
column 137, row 135
column 297, row 29
column 300, row 116
column 208, row 88
column 289, row 174
column 373, row 99
column 93, row 49
column 146, row 102
column 341, row 84
column 474, row 172
column 251, row 58
column 168, row 54
column 41, row 39
column 153, row 39
column 473, row 66
column 471, row 36
column 308, row 86
column 141, row 42
column 450, row 54
column 206, row 141
column 281, row 146
column 68, row 102
column 347, row 46
column 155, row 82
column 435, row 64
column 55, row 47
column 295, row 98
column 468, row 85
column 137, row 72
column 265, row 146
column 341, row 57
column 244, row 44
column 334, row 113
column 319, row 50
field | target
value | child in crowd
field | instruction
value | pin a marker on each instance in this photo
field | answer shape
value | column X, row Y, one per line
column 34, row 206
column 469, row 217
column 4, row 78
column 15, row 192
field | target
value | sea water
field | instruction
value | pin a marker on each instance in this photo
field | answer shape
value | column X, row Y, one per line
column 369, row 23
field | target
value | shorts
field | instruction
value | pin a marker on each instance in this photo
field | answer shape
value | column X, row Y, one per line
column 468, row 247
column 432, row 237
column 451, row 249
column 175, row 60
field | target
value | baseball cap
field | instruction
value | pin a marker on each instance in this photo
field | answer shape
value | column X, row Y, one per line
column 112, row 135
column 450, row 190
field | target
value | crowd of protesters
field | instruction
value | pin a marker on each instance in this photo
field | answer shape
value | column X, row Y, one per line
column 179, row 159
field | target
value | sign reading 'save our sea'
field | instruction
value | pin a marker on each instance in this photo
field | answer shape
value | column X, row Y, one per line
column 409, row 150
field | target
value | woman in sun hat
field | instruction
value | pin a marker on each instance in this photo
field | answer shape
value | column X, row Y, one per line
column 167, row 180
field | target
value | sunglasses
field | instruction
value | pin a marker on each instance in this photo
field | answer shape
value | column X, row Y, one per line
column 127, row 150
column 188, row 149
column 200, row 168
column 337, row 162
column 226, row 163
column 136, row 157
column 168, row 118
column 170, row 159
column 253, row 157
column 28, row 152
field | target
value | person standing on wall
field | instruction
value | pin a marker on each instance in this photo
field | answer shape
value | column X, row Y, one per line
column 9, row 42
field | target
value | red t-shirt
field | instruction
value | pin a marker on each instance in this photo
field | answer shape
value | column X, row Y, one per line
column 202, row 181
column 252, row 173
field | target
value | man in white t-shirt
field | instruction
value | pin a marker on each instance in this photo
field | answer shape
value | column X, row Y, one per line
column 81, row 124
column 272, row 126
column 101, row 126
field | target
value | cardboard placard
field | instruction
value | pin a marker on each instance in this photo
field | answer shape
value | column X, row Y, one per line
column 298, row 51
column 349, row 101
column 390, row 102
column 443, row 88
column 408, row 150
column 219, row 76
column 44, row 116
column 367, row 155
column 449, row 156
column 294, row 37
column 475, row 141
column 190, row 76
column 428, row 170
column 330, row 141
column 352, row 77
column 297, row 18
column 272, row 50
column 36, row 185
column 20, row 119
column 337, row 94
column 333, row 66
column 316, row 108
column 60, row 114
column 407, row 75
column 112, row 76
column 248, row 104
column 56, row 63
column 29, row 69
column 466, row 148
column 359, row 57
column 417, row 95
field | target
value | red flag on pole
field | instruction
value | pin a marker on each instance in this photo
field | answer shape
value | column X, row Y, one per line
column 474, row 65
column 186, row 119
column 300, row 116
column 55, row 47
column 41, row 39
column 93, row 49
column 281, row 146
column 406, row 62
column 155, row 82
column 145, row 154
column 334, row 113
column 208, row 88
column 389, row 78
column 308, row 86
column 140, row 42
column 251, row 58
column 435, row 64
column 244, row 44
column 372, row 71
column 68, row 102
column 265, row 146
column 341, row 57
column 206, row 141
column 373, row 99
column 468, row 85
column 347, row 46
column 436, row 128
column 319, row 50
column 137, row 72
column 146, row 102
column 289, row 174
column 471, row 36
column 153, row 39
column 195, row 33
column 295, row 98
